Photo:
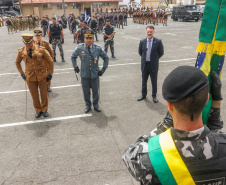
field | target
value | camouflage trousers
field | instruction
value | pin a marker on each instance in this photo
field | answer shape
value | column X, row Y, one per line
column 16, row 27
column 44, row 30
column 125, row 22
column 115, row 24
column 111, row 43
column 95, row 32
column 10, row 28
column 120, row 23
column 56, row 41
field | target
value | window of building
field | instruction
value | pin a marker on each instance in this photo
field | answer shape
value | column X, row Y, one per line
column 106, row 4
column 61, row 6
column 76, row 6
column 97, row 5
column 47, row 6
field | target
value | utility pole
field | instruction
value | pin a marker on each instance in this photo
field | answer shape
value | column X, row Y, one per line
column 64, row 8
column 32, row 7
column 21, row 11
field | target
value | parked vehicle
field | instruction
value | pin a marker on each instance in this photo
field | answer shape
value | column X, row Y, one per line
column 185, row 12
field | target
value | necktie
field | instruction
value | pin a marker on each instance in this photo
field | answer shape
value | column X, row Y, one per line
column 148, row 51
column 39, row 43
column 30, row 53
column 89, row 49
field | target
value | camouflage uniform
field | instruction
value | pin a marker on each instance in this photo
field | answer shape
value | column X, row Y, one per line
column 197, row 145
column 108, row 30
column 9, row 25
column 16, row 24
column 30, row 23
column 56, row 41
column 1, row 20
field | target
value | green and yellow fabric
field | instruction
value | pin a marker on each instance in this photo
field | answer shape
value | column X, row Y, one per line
column 167, row 162
column 212, row 43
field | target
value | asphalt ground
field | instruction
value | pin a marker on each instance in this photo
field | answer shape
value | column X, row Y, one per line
column 73, row 148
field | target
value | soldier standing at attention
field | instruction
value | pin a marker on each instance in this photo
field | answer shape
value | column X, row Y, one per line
column 9, row 25
column 120, row 19
column 165, row 18
column 1, row 21
column 89, row 54
column 40, row 42
column 109, row 32
column 56, row 37
column 94, row 26
column 74, row 25
column 125, row 19
column 80, row 33
column 44, row 26
column 35, row 72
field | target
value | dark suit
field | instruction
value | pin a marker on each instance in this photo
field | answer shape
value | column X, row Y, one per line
column 150, row 68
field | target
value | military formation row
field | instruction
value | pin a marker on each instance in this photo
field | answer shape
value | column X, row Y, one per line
column 150, row 17
column 19, row 23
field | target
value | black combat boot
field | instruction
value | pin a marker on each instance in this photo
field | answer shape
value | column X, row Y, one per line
column 62, row 58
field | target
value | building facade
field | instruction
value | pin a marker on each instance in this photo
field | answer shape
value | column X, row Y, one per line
column 42, row 8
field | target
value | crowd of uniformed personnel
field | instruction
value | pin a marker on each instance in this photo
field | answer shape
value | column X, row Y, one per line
column 150, row 16
column 20, row 23
column 103, row 23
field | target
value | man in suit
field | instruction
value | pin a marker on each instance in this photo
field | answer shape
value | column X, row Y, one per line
column 89, row 54
column 150, row 50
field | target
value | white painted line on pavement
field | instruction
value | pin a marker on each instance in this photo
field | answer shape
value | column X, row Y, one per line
column 57, row 87
column 9, row 74
column 113, row 65
column 44, row 120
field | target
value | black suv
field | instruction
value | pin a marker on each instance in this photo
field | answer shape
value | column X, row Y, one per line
column 185, row 12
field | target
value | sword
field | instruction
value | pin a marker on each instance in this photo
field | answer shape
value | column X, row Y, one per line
column 76, row 76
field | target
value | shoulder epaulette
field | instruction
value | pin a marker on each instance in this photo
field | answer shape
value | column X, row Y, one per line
column 21, row 48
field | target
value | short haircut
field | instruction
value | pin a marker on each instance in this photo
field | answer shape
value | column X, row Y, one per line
column 193, row 104
column 150, row 27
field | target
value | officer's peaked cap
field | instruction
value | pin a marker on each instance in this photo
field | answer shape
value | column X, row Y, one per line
column 89, row 33
column 27, row 38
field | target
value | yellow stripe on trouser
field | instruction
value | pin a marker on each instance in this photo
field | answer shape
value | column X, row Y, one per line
column 174, row 160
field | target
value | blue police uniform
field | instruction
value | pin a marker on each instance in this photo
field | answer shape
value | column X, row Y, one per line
column 90, row 70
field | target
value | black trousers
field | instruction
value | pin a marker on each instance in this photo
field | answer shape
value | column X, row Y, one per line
column 153, row 75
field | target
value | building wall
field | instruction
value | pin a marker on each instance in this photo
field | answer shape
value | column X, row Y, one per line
column 155, row 4
column 27, row 9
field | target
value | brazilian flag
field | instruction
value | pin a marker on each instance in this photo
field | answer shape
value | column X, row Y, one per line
column 212, row 43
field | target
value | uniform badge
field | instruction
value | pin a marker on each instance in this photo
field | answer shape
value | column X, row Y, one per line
column 83, row 51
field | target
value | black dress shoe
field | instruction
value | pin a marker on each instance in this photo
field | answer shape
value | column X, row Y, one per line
column 49, row 90
column 38, row 114
column 141, row 98
column 113, row 56
column 45, row 114
column 155, row 100
column 97, row 109
column 87, row 109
